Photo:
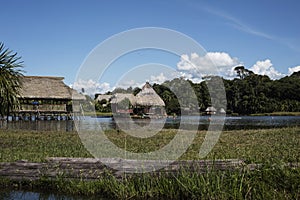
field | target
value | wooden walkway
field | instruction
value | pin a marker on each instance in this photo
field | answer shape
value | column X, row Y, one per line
column 92, row 169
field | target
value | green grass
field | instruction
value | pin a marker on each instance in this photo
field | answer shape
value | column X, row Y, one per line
column 36, row 146
column 266, row 183
column 271, row 147
column 278, row 114
column 250, row 145
column 99, row 114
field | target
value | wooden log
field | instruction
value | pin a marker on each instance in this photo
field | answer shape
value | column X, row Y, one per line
column 92, row 169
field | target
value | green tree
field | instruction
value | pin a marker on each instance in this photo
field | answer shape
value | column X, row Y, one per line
column 10, row 82
column 242, row 72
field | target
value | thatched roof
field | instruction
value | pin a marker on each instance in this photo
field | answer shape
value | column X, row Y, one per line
column 118, row 97
column 222, row 110
column 107, row 97
column 211, row 109
column 47, row 87
column 148, row 97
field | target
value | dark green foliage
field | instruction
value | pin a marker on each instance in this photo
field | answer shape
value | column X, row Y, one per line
column 10, row 73
column 249, row 94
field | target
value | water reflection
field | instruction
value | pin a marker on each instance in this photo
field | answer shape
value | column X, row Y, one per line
column 29, row 195
column 190, row 123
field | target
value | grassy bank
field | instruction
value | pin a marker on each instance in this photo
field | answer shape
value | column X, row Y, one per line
column 271, row 147
column 250, row 145
column 99, row 114
column 277, row 114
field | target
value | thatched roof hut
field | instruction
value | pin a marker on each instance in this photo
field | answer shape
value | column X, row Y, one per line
column 148, row 97
column 101, row 97
column 211, row 110
column 146, row 101
column 222, row 111
column 118, row 97
column 46, row 87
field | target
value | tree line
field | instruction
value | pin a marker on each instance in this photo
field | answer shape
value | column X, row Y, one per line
column 248, row 93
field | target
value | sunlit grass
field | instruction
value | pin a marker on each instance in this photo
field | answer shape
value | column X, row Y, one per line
column 265, row 183
column 278, row 114
column 36, row 146
column 271, row 147
column 257, row 146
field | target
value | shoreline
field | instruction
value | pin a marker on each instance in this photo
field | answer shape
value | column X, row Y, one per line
column 99, row 114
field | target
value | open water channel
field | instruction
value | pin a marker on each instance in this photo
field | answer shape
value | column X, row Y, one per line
column 190, row 122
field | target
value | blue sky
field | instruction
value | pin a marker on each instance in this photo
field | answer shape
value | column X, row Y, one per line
column 55, row 37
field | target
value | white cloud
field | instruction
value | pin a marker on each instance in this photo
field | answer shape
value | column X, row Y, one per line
column 91, row 87
column 158, row 79
column 212, row 63
column 128, row 83
column 265, row 67
column 293, row 69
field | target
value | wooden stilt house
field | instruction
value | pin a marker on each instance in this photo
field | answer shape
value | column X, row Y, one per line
column 45, row 95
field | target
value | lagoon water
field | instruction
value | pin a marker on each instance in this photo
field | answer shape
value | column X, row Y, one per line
column 183, row 122
column 30, row 195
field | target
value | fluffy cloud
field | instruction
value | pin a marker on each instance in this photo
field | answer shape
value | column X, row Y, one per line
column 293, row 69
column 91, row 87
column 265, row 67
column 212, row 63
column 158, row 79
column 128, row 83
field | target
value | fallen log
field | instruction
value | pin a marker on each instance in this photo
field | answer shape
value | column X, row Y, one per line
column 94, row 168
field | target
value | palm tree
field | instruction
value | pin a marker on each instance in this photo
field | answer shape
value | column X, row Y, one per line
column 10, row 83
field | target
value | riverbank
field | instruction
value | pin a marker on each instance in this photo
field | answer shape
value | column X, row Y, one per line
column 277, row 114
column 270, row 149
column 101, row 114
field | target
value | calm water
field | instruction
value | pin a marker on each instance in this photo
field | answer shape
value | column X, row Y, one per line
column 30, row 195
column 190, row 122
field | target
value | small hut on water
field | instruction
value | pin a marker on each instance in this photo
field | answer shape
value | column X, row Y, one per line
column 149, row 102
column 43, row 96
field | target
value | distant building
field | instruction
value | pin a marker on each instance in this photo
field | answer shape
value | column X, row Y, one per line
column 147, row 101
column 45, row 95
column 211, row 110
column 222, row 111
column 104, row 99
column 101, row 97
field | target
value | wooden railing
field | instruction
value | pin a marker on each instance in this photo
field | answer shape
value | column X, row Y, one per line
column 44, row 107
